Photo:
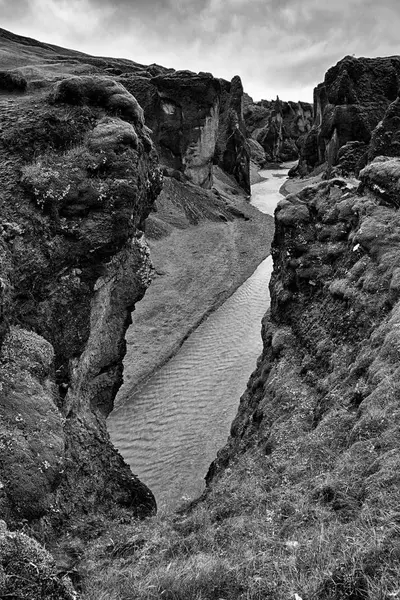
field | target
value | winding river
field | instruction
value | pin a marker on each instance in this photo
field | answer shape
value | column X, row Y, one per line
column 171, row 428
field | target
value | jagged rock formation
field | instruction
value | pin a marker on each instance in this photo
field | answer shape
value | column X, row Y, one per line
column 385, row 140
column 232, row 150
column 321, row 409
column 348, row 106
column 182, row 109
column 278, row 127
column 196, row 120
column 77, row 184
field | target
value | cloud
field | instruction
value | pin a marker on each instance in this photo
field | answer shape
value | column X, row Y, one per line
column 277, row 46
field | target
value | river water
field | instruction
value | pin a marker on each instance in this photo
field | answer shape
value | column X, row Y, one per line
column 169, row 431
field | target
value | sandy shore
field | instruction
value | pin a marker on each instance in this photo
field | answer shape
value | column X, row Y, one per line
column 196, row 269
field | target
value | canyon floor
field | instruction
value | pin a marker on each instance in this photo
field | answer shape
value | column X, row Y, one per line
column 203, row 246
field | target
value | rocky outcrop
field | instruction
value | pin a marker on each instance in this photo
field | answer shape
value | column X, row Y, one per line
column 186, row 124
column 78, row 183
column 385, row 138
column 196, row 120
column 320, row 413
column 232, row 150
column 348, row 106
column 278, row 126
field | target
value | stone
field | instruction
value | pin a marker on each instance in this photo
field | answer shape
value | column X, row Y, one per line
column 382, row 177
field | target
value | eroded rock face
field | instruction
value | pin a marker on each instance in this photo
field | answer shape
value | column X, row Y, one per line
column 348, row 106
column 386, row 135
column 182, row 110
column 278, row 126
column 73, row 264
column 233, row 151
column 196, row 120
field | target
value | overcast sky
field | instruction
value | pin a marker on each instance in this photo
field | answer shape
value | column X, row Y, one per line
column 278, row 47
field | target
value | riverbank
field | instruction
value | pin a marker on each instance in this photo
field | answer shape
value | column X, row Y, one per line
column 295, row 185
column 203, row 246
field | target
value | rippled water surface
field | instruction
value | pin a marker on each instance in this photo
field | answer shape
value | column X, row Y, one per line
column 170, row 430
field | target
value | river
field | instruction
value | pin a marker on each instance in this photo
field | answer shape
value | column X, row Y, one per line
column 169, row 431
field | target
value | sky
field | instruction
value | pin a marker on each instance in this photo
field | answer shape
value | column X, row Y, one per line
column 278, row 47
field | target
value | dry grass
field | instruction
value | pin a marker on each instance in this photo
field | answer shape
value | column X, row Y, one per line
column 249, row 540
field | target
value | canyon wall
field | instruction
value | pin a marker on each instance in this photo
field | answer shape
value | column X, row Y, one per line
column 78, row 183
column 196, row 121
column 276, row 128
column 321, row 410
column 348, row 106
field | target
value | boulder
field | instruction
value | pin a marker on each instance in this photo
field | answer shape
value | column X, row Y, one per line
column 99, row 91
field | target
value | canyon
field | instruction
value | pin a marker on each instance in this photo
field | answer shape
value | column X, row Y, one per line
column 100, row 155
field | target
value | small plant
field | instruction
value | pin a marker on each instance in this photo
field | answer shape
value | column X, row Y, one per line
column 49, row 185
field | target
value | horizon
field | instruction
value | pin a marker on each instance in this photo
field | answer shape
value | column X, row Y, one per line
column 285, row 57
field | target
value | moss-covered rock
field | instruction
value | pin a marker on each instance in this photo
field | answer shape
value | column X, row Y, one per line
column 12, row 81
column 99, row 91
column 382, row 178
column 73, row 265
column 28, row 571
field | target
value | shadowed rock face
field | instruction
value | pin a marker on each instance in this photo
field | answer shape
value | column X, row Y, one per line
column 73, row 265
column 278, row 126
column 348, row 106
column 233, row 152
column 385, row 140
column 196, row 120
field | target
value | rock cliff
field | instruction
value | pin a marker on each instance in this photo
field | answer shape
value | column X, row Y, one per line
column 78, row 181
column 196, row 121
column 348, row 105
column 278, row 127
